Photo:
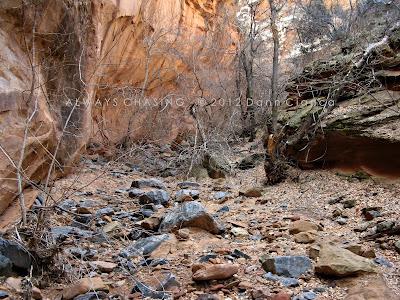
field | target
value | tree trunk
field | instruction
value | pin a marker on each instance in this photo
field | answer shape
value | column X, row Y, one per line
column 275, row 67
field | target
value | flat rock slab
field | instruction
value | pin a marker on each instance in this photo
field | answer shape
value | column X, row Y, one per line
column 372, row 290
column 288, row 266
column 336, row 261
column 285, row 281
column 189, row 214
column 156, row 197
column 188, row 185
column 83, row 286
column 303, row 226
column 214, row 272
column 148, row 183
column 144, row 246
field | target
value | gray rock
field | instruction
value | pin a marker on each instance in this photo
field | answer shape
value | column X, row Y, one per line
column 217, row 166
column 3, row 294
column 144, row 246
column 182, row 194
column 305, row 296
column 383, row 262
column 336, row 200
column 92, row 296
column 18, row 256
column 320, row 289
column 82, row 253
column 397, row 246
column 384, row 226
column 106, row 211
column 148, row 183
column 285, row 281
column 62, row 232
column 122, row 191
column 154, row 197
column 250, row 161
column 68, row 204
column 223, row 209
column 88, row 203
column 221, row 195
column 5, row 266
column 288, row 266
column 189, row 214
column 342, row 220
column 188, row 185
column 349, row 203
column 134, row 193
column 371, row 213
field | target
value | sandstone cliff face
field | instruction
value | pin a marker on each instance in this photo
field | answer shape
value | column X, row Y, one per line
column 157, row 49
column 71, row 76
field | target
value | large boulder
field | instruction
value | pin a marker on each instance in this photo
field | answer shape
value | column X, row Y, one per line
column 336, row 261
column 189, row 214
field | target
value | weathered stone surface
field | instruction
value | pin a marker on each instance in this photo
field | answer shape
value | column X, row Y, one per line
column 15, row 253
column 285, row 281
column 281, row 296
column 214, row 272
column 144, row 246
column 358, row 121
column 397, row 246
column 310, row 295
column 251, row 193
column 189, row 214
column 93, row 296
column 63, row 232
column 134, row 193
column 336, row 261
column 186, row 195
column 104, row 266
column 251, row 161
column 217, row 166
column 188, row 185
column 305, row 237
column 5, row 266
column 156, row 197
column 303, row 226
column 148, row 183
column 372, row 290
column 83, row 286
column 288, row 266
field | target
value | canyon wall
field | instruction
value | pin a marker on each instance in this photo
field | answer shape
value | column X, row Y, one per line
column 75, row 71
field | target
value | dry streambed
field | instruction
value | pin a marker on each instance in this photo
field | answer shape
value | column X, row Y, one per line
column 128, row 236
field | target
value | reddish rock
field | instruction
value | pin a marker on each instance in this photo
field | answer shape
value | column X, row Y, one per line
column 104, row 266
column 214, row 272
column 251, row 193
column 303, row 226
column 281, row 296
column 83, row 286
